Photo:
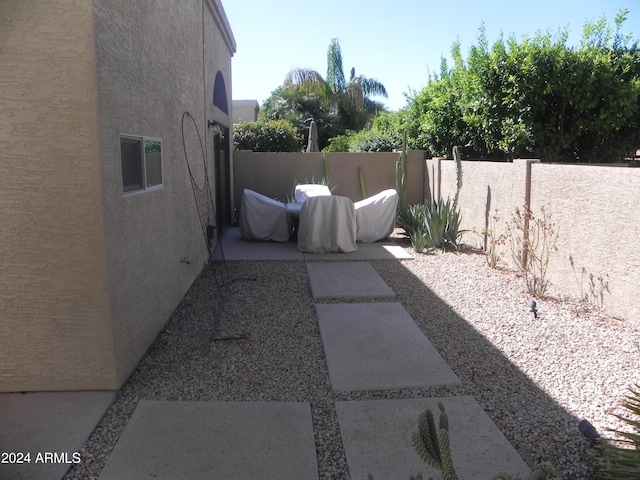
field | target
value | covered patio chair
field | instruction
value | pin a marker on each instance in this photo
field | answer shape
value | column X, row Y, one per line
column 304, row 191
column 263, row 218
column 327, row 224
column 376, row 216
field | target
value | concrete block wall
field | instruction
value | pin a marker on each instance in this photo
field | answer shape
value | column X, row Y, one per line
column 275, row 174
column 594, row 209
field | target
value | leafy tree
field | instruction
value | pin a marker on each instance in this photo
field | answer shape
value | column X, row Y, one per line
column 336, row 104
column 535, row 97
column 298, row 109
column 266, row 136
column 342, row 97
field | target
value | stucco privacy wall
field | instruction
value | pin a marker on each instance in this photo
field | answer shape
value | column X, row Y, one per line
column 156, row 60
column 55, row 330
column 275, row 174
column 593, row 208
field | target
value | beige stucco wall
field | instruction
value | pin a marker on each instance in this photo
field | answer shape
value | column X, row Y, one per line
column 275, row 174
column 153, row 60
column 55, row 330
column 89, row 275
column 489, row 189
column 594, row 212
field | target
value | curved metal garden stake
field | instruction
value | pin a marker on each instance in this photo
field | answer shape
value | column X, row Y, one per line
column 206, row 213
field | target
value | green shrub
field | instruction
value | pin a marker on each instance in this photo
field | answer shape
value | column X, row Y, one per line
column 266, row 136
column 412, row 220
column 622, row 458
column 372, row 141
column 432, row 226
column 338, row 144
column 362, row 141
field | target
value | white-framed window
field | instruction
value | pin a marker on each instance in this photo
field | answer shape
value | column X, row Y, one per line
column 141, row 159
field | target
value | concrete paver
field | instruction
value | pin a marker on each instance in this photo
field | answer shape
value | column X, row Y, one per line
column 366, row 251
column 51, row 427
column 210, row 440
column 367, row 346
column 346, row 280
column 376, row 346
column 376, row 435
column 236, row 248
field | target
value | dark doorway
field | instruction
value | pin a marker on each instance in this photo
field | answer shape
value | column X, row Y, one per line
column 222, row 157
column 222, row 164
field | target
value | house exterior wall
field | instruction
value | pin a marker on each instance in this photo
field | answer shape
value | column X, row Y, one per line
column 55, row 314
column 89, row 275
column 245, row 111
column 156, row 60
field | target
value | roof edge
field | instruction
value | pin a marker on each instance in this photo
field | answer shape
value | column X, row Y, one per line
column 220, row 17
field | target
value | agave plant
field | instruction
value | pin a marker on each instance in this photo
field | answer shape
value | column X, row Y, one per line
column 442, row 221
column 412, row 220
column 432, row 226
column 622, row 457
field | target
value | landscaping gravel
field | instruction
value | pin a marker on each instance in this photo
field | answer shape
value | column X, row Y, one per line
column 536, row 378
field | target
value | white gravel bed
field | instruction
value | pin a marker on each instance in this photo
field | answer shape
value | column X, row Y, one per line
column 536, row 378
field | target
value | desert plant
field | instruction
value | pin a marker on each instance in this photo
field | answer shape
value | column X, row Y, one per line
column 622, row 457
column 492, row 241
column 363, row 189
column 457, row 157
column 433, row 444
column 532, row 240
column 442, row 222
column 401, row 175
column 432, row 226
column 412, row 220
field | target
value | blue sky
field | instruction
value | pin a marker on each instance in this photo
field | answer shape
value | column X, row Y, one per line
column 396, row 42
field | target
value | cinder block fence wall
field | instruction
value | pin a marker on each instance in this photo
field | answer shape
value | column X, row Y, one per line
column 594, row 209
column 275, row 174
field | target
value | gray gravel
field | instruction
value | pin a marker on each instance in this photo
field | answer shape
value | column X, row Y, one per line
column 536, row 378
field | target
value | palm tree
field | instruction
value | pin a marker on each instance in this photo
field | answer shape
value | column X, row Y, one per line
column 348, row 99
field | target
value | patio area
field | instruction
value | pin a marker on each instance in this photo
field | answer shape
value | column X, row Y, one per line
column 293, row 400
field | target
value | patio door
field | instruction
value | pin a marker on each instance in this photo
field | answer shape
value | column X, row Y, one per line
column 222, row 165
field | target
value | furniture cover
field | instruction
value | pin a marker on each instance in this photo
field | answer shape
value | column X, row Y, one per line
column 293, row 209
column 302, row 192
column 327, row 224
column 263, row 218
column 376, row 216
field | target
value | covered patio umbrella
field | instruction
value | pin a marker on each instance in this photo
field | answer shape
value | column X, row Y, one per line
column 312, row 144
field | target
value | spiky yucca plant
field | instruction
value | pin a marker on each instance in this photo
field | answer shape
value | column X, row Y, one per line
column 442, row 221
column 622, row 457
column 432, row 226
column 412, row 220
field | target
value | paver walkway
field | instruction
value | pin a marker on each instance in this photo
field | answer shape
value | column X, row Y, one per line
column 372, row 344
column 215, row 440
column 378, row 346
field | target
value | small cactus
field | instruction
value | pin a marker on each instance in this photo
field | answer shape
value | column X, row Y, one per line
column 433, row 445
column 457, row 156
column 363, row 190
column 401, row 175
